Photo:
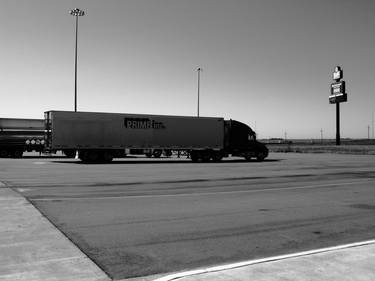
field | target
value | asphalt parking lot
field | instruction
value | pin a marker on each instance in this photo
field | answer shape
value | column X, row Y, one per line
column 140, row 217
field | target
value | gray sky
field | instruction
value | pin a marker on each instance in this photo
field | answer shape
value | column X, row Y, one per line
column 266, row 63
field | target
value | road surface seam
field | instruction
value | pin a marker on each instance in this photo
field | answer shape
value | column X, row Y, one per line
column 264, row 260
column 200, row 193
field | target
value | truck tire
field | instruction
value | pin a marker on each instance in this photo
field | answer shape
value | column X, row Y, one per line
column 157, row 153
column 260, row 156
column 93, row 156
column 206, row 156
column 217, row 156
column 195, row 156
column 84, row 156
column 107, row 157
column 17, row 153
column 248, row 156
column 168, row 153
column 148, row 154
column 3, row 153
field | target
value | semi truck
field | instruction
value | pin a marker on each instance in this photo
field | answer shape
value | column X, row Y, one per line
column 100, row 137
column 19, row 135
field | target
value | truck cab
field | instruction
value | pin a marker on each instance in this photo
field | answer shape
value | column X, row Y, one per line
column 240, row 140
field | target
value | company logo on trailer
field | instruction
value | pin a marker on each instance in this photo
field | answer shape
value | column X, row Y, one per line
column 142, row 123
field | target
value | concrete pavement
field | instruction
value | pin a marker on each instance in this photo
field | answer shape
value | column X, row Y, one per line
column 348, row 262
column 31, row 248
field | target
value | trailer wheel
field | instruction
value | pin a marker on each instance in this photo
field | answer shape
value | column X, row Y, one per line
column 194, row 156
column 206, row 156
column 157, row 153
column 84, row 156
column 93, row 156
column 168, row 153
column 17, row 153
column 107, row 157
column 217, row 156
column 3, row 153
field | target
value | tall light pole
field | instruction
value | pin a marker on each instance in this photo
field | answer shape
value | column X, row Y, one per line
column 199, row 85
column 77, row 13
column 372, row 125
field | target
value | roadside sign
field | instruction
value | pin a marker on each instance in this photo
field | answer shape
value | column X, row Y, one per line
column 338, row 87
column 338, row 98
column 338, row 73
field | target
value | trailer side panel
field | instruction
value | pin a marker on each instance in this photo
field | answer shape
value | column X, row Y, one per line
column 91, row 130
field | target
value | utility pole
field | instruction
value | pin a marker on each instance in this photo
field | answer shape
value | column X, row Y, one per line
column 368, row 131
column 77, row 13
column 199, row 85
column 321, row 135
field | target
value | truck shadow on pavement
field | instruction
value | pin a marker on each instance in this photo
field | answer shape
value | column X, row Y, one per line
column 167, row 161
column 44, row 157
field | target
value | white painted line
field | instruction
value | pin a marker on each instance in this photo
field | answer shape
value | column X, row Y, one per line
column 257, row 261
column 23, row 189
column 202, row 193
column 39, row 163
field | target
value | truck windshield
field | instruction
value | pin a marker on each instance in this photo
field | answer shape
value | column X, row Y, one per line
column 251, row 137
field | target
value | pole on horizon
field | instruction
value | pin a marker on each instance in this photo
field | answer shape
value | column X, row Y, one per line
column 199, row 85
column 372, row 124
column 321, row 135
column 368, row 132
column 77, row 13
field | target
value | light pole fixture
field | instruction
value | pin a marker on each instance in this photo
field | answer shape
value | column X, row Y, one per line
column 199, row 85
column 77, row 13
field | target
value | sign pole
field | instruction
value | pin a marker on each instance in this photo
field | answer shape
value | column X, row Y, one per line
column 338, row 123
column 337, row 96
